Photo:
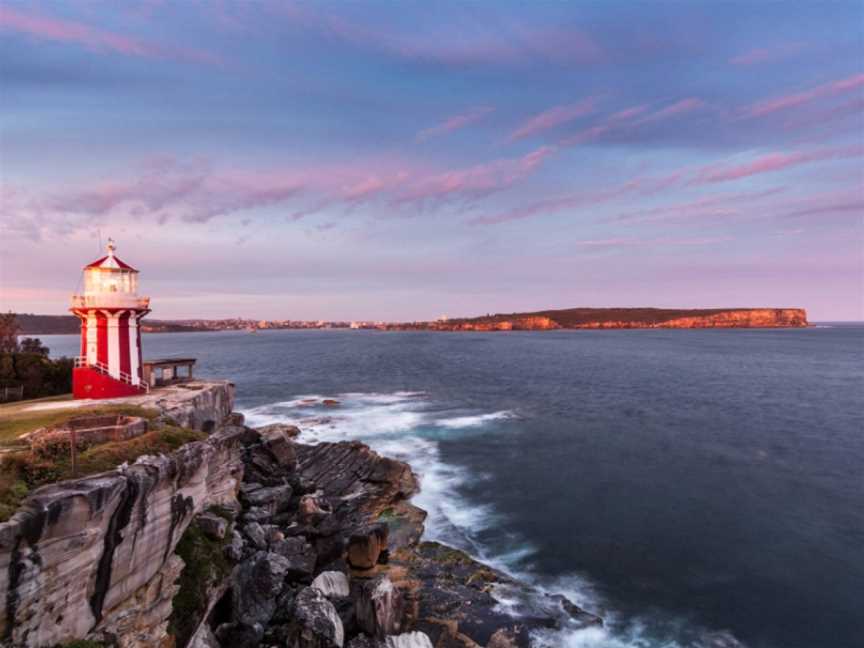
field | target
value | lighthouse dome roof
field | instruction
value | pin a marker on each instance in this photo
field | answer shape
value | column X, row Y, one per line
column 110, row 261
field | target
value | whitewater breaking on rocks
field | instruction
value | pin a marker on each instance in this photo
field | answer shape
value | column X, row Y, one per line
column 250, row 537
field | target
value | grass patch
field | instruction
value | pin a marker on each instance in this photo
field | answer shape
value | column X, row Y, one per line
column 23, row 471
column 206, row 567
column 16, row 420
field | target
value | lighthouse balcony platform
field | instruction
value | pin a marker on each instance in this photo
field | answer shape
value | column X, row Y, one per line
column 110, row 300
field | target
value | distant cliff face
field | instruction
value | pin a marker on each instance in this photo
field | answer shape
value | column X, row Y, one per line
column 627, row 318
column 745, row 318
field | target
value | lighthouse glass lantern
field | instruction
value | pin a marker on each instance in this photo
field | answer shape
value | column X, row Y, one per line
column 110, row 311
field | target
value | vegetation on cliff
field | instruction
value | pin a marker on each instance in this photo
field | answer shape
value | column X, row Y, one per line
column 22, row 471
column 206, row 567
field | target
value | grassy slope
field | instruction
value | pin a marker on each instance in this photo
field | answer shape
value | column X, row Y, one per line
column 22, row 471
column 16, row 420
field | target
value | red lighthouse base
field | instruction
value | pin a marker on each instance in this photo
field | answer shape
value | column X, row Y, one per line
column 90, row 383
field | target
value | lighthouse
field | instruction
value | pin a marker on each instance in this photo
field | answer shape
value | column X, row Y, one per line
column 110, row 311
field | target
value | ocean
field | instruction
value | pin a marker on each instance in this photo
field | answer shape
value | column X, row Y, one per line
column 696, row 488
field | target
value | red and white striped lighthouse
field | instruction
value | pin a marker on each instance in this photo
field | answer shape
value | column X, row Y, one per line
column 110, row 311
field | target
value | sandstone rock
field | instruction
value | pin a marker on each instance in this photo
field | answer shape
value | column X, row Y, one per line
column 300, row 557
column 408, row 640
column 77, row 552
column 273, row 499
column 312, row 509
column 290, row 431
column 256, row 514
column 332, row 584
column 379, row 607
column 234, row 550
column 316, row 624
column 212, row 526
column 367, row 548
column 257, row 583
column 255, row 533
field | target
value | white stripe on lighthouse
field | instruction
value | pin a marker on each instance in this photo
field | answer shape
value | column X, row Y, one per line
column 114, row 345
column 133, row 347
column 92, row 338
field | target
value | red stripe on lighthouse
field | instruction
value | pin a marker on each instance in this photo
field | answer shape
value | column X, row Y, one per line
column 125, row 359
column 102, row 338
column 140, row 357
column 83, row 337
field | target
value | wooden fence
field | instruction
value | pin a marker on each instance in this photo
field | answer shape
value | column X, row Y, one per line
column 11, row 393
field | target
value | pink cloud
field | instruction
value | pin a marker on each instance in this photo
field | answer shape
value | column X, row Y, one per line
column 767, row 54
column 578, row 200
column 166, row 190
column 66, row 31
column 455, row 123
column 679, row 107
column 632, row 242
column 707, row 207
column 624, row 119
column 768, row 106
column 772, row 162
column 475, row 181
column 553, row 117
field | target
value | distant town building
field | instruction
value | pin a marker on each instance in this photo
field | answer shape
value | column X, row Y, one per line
column 110, row 311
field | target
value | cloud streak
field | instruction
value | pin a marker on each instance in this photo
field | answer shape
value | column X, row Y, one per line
column 97, row 40
column 455, row 123
column 553, row 117
column 784, row 102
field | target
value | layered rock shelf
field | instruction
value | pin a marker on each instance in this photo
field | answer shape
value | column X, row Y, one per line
column 250, row 538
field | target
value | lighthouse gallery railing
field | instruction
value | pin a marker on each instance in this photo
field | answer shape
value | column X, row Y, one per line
column 101, row 367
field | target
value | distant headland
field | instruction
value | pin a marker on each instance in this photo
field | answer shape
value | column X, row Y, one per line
column 569, row 318
column 623, row 318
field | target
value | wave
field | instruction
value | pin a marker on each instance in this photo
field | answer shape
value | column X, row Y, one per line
column 474, row 421
column 408, row 426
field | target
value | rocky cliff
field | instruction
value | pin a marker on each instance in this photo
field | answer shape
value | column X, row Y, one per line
column 248, row 538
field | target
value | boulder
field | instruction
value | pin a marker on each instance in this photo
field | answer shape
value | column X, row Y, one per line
column 273, row 499
column 332, row 584
column 379, row 607
column 279, row 429
column 255, row 533
column 299, row 556
column 408, row 640
column 367, row 548
column 213, row 526
column 316, row 623
column 234, row 549
column 257, row 583
column 313, row 508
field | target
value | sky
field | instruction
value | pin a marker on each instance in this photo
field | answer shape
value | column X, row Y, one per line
column 402, row 161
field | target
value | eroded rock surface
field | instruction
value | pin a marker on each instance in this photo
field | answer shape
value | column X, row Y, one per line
column 317, row 547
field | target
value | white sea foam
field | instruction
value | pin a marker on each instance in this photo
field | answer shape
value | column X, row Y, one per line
column 478, row 420
column 404, row 425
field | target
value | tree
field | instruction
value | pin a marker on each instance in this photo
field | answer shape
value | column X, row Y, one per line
column 34, row 345
column 9, row 330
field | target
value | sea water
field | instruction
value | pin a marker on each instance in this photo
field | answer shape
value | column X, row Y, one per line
column 694, row 487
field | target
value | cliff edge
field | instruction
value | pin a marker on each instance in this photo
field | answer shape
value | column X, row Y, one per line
column 248, row 538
